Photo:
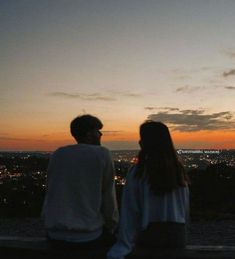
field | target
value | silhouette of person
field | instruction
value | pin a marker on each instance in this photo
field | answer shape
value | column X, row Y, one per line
column 155, row 199
column 80, row 205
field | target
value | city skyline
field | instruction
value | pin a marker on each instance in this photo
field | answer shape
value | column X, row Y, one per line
column 122, row 61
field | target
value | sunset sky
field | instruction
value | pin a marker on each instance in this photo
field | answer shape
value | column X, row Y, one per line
column 124, row 61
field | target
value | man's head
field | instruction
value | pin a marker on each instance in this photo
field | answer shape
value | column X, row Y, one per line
column 86, row 129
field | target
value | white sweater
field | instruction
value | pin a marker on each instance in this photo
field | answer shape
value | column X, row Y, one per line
column 140, row 207
column 80, row 197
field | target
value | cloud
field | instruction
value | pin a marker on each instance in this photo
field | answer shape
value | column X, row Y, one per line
column 125, row 94
column 86, row 97
column 12, row 139
column 192, row 112
column 150, row 108
column 180, row 74
column 109, row 96
column 188, row 89
column 4, row 138
column 230, row 87
column 182, row 89
column 195, row 120
column 229, row 73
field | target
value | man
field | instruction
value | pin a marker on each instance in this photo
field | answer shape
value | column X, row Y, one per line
column 80, row 199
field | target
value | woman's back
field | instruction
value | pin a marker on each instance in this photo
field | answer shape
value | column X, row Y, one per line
column 164, row 217
column 169, row 207
column 155, row 200
column 172, row 206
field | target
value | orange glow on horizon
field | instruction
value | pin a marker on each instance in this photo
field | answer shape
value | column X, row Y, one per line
column 205, row 139
column 50, row 142
column 123, row 136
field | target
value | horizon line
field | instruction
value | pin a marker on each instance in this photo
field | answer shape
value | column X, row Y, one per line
column 49, row 151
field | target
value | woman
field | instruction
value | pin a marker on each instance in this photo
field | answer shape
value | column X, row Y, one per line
column 155, row 201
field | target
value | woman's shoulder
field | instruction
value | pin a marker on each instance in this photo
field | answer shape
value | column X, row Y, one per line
column 182, row 190
column 131, row 178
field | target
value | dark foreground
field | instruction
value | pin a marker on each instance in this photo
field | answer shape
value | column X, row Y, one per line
column 25, row 238
column 27, row 248
column 220, row 232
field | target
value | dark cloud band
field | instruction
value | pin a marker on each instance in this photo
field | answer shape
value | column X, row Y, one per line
column 230, row 87
column 86, row 97
column 229, row 73
column 109, row 96
column 195, row 120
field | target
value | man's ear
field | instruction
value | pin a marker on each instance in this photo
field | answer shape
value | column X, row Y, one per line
column 89, row 137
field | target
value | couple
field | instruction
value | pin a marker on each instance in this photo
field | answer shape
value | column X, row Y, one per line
column 80, row 209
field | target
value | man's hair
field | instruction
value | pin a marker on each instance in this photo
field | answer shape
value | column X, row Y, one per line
column 81, row 125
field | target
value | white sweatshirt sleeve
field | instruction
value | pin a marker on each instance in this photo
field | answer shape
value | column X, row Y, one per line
column 130, row 222
column 49, row 169
column 109, row 201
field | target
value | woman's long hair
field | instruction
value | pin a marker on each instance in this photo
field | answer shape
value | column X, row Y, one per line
column 157, row 160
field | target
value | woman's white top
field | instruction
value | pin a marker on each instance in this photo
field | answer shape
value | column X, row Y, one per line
column 140, row 207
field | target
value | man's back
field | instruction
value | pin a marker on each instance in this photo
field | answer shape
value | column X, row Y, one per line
column 80, row 192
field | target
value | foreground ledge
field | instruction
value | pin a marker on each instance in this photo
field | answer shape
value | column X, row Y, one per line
column 25, row 247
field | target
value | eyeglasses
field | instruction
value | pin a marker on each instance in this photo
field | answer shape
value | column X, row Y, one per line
column 100, row 132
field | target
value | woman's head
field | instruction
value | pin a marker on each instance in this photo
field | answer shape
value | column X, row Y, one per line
column 158, row 161
column 155, row 137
